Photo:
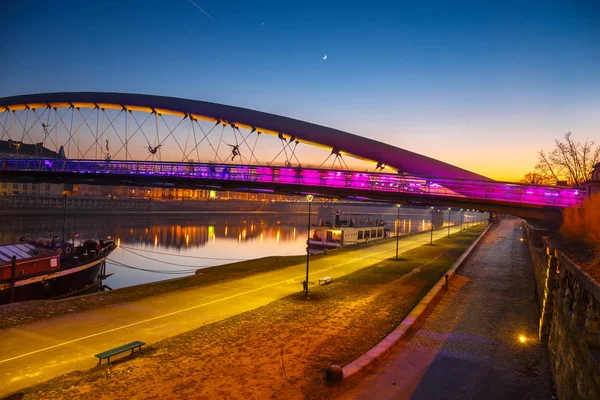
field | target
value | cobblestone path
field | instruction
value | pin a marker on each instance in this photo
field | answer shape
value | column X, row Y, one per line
column 469, row 347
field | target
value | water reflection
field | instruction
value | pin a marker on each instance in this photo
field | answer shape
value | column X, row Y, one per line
column 157, row 247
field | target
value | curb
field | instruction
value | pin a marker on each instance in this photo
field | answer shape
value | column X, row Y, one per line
column 410, row 324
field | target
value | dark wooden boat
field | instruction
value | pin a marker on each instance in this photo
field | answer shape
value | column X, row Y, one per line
column 46, row 269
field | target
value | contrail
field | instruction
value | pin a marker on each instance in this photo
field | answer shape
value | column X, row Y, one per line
column 200, row 8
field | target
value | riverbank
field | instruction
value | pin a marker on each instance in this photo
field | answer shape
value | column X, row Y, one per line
column 281, row 349
column 12, row 315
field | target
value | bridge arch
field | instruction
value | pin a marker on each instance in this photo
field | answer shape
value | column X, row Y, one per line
column 288, row 130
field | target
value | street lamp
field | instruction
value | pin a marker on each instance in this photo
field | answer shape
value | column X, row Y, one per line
column 309, row 198
column 431, row 236
column 397, row 230
column 449, row 221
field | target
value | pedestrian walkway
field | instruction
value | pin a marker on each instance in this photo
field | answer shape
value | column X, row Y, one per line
column 470, row 347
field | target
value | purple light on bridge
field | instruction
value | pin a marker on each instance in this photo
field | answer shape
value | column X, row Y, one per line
column 287, row 175
column 374, row 182
column 311, row 177
column 335, row 178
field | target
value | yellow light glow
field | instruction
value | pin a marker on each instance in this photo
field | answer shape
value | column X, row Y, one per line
column 187, row 239
column 225, row 230
column 155, row 241
column 118, row 242
column 261, row 238
column 522, row 339
column 278, row 237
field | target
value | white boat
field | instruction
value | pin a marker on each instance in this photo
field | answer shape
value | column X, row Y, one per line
column 337, row 229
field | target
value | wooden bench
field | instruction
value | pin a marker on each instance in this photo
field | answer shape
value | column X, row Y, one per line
column 325, row 280
column 118, row 350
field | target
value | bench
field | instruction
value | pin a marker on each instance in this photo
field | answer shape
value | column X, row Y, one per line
column 118, row 350
column 325, row 280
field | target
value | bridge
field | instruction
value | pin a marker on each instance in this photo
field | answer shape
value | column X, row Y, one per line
column 144, row 140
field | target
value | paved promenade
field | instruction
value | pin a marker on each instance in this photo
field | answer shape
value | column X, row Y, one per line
column 39, row 351
column 468, row 347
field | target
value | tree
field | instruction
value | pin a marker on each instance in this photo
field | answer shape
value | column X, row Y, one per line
column 569, row 161
column 534, row 178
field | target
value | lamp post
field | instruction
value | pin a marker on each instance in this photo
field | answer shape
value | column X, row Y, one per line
column 461, row 218
column 449, row 221
column 309, row 198
column 397, row 230
column 431, row 235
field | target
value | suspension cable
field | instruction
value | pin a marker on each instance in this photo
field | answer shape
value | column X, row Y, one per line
column 157, row 271
column 167, row 254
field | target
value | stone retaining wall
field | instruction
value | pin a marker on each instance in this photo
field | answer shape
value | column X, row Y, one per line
column 569, row 304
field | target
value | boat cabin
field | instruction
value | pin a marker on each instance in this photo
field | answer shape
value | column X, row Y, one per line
column 31, row 260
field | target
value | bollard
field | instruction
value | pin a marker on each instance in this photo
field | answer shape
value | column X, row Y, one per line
column 446, row 284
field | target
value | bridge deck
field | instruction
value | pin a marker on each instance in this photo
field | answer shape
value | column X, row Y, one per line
column 310, row 180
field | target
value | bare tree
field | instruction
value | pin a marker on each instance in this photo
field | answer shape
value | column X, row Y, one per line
column 534, row 178
column 569, row 161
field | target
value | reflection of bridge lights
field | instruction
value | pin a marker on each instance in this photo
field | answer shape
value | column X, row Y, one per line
column 244, row 233
column 155, row 241
column 261, row 238
column 131, row 231
column 278, row 234
column 187, row 239
column 225, row 230
column 294, row 234
column 146, row 230
column 118, row 242
column 239, row 237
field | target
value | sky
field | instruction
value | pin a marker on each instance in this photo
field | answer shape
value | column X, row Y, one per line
column 483, row 85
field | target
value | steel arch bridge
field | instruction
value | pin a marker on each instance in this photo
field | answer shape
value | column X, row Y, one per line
column 145, row 140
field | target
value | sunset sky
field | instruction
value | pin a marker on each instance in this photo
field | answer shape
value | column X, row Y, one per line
column 482, row 85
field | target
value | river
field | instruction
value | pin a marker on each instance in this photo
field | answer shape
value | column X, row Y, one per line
column 161, row 246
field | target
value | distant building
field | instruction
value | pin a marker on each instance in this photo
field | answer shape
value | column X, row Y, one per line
column 14, row 149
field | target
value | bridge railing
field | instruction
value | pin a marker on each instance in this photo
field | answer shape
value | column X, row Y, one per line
column 359, row 181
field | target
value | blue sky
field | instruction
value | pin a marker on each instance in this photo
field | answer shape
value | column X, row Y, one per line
column 482, row 85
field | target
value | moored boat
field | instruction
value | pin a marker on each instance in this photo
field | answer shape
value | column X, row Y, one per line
column 46, row 269
column 336, row 229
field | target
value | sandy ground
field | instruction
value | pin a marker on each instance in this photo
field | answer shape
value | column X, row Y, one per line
column 280, row 350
